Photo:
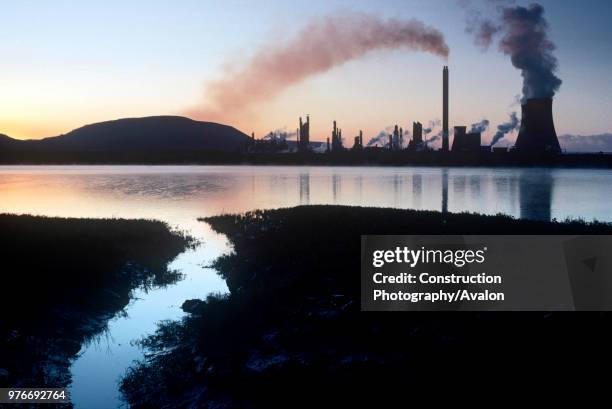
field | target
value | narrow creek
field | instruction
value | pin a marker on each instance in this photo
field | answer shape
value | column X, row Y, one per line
column 102, row 362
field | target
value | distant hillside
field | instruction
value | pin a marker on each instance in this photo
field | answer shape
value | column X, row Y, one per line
column 6, row 140
column 586, row 143
column 157, row 133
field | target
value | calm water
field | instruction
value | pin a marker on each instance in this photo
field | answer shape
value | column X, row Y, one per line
column 179, row 195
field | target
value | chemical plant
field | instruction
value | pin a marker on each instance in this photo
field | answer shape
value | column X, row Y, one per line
column 536, row 136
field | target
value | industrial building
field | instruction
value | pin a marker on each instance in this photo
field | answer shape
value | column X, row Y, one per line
column 417, row 132
column 537, row 134
column 303, row 135
column 416, row 144
column 396, row 140
column 358, row 141
column 466, row 141
column 336, row 140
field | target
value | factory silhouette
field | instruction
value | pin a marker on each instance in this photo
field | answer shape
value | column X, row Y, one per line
column 178, row 140
column 537, row 136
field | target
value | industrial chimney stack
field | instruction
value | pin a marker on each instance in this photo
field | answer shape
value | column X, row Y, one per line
column 537, row 133
column 445, row 109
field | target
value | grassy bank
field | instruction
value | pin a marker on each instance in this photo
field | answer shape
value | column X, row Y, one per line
column 291, row 332
column 63, row 279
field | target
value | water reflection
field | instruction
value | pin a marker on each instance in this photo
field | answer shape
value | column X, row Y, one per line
column 475, row 187
column 417, row 190
column 397, row 190
column 336, row 186
column 445, row 190
column 359, row 187
column 535, row 195
column 304, row 182
column 181, row 194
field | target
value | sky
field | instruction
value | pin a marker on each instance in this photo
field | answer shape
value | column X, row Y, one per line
column 64, row 64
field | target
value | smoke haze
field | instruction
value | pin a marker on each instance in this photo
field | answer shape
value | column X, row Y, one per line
column 583, row 144
column 322, row 45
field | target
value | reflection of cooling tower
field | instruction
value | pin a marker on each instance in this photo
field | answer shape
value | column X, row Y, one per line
column 537, row 134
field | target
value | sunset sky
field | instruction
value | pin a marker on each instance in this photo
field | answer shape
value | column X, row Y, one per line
column 65, row 64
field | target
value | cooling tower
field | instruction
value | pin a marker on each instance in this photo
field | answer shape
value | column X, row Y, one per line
column 537, row 133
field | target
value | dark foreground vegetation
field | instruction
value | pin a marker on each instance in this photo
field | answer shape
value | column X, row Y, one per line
column 291, row 332
column 63, row 279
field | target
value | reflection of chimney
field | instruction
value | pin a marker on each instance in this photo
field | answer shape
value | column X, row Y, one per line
column 445, row 191
column 445, row 109
column 537, row 133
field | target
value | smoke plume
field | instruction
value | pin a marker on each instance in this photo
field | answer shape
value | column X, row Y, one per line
column 505, row 128
column 431, row 126
column 382, row 139
column 481, row 126
column 277, row 136
column 524, row 38
column 283, row 131
column 320, row 46
column 526, row 42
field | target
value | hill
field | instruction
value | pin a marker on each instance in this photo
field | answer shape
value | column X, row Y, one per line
column 6, row 140
column 156, row 133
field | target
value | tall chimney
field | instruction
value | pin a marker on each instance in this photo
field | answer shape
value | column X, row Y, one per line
column 445, row 109
column 537, row 133
column 298, row 133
